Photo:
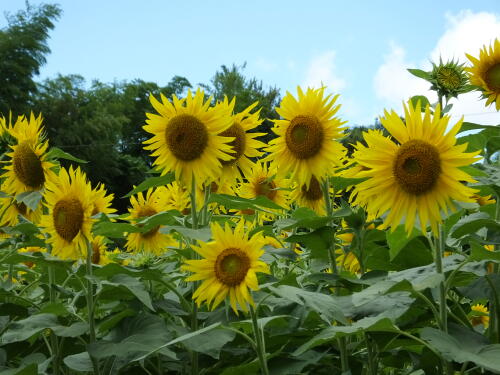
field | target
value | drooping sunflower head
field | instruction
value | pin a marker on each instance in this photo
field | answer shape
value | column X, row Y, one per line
column 420, row 176
column 177, row 198
column 102, row 202
column 244, row 145
column 309, row 195
column 28, row 169
column 263, row 181
column 485, row 72
column 68, row 222
column 99, row 251
column 186, row 136
column 152, row 241
column 347, row 260
column 228, row 268
column 480, row 315
column 307, row 144
column 10, row 209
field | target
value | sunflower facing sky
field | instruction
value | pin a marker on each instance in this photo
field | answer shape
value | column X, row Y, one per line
column 68, row 222
column 485, row 73
column 306, row 145
column 420, row 176
column 228, row 268
column 152, row 241
column 186, row 137
column 29, row 168
column 244, row 145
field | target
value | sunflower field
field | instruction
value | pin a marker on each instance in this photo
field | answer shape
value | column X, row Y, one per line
column 253, row 253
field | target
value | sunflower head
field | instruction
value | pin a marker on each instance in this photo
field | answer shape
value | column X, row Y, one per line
column 228, row 268
column 418, row 176
column 68, row 222
column 485, row 73
column 144, row 206
column 309, row 195
column 306, row 145
column 186, row 136
column 102, row 202
column 28, row 169
column 448, row 79
column 479, row 315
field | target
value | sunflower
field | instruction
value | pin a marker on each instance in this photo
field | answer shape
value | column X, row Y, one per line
column 244, row 144
column 229, row 267
column 347, row 261
column 479, row 315
column 186, row 137
column 100, row 251
column 306, row 145
column 485, row 73
column 177, row 198
column 68, row 222
column 484, row 200
column 29, row 168
column 311, row 197
column 102, row 202
column 10, row 209
column 262, row 181
column 152, row 241
column 419, row 176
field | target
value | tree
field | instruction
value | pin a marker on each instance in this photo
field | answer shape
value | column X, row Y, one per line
column 232, row 83
column 23, row 50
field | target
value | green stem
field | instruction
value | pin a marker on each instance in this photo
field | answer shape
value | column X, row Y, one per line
column 372, row 366
column 90, row 304
column 429, row 303
column 53, row 338
column 344, row 360
column 259, row 341
column 194, row 309
column 494, row 313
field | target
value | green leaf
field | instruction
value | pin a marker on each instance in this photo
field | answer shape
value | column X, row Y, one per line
column 472, row 223
column 200, row 234
column 318, row 241
column 398, row 239
column 302, row 217
column 57, row 153
column 420, row 74
column 325, row 305
column 114, row 230
column 478, row 253
column 25, row 328
column 420, row 98
column 74, row 330
column 136, row 287
column 80, row 362
column 210, row 342
column 370, row 324
column 343, row 183
column 152, row 182
column 30, row 198
column 114, row 319
column 463, row 345
column 31, row 369
column 467, row 126
column 239, row 203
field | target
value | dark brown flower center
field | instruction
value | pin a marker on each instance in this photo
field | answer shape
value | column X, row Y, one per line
column 314, row 193
column 417, row 167
column 492, row 78
column 28, row 167
column 265, row 188
column 186, row 137
column 304, row 136
column 238, row 144
column 96, row 254
column 231, row 266
column 68, row 218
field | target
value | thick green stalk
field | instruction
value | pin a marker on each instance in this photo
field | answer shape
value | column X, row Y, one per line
column 194, row 310
column 53, row 338
column 259, row 341
column 90, row 304
column 344, row 360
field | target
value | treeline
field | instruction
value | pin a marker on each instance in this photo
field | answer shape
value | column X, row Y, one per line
column 102, row 122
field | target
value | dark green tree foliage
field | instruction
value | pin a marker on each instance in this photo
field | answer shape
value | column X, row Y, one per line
column 102, row 124
column 355, row 135
column 232, row 82
column 23, row 50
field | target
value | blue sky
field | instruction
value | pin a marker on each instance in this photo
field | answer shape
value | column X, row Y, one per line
column 360, row 49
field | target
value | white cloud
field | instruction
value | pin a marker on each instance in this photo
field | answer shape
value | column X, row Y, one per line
column 466, row 32
column 322, row 71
